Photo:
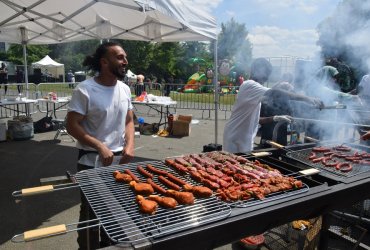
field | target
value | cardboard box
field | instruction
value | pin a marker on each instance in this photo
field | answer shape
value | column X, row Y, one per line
column 181, row 125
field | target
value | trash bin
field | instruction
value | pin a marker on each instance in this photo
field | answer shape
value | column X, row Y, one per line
column 20, row 128
column 3, row 129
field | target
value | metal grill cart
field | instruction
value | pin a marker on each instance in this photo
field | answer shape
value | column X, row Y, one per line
column 209, row 222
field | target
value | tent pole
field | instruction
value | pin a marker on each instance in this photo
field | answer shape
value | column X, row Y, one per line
column 24, row 44
column 215, row 83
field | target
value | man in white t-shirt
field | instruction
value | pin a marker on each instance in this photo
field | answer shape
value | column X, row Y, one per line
column 241, row 129
column 100, row 117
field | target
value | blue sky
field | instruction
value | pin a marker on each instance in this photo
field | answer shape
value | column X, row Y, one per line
column 276, row 27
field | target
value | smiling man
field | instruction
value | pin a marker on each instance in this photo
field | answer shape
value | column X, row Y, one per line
column 100, row 117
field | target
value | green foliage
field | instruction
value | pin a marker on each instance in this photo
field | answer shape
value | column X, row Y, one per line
column 233, row 44
column 34, row 53
column 159, row 61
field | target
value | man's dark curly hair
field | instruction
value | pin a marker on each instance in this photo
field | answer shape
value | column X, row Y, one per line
column 92, row 62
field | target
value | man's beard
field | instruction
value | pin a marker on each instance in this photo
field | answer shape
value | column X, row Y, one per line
column 120, row 74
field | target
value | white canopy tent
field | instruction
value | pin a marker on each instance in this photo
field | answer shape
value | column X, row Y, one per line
column 49, row 66
column 131, row 77
column 55, row 21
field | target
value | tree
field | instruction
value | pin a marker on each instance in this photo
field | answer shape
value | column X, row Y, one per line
column 34, row 53
column 233, row 44
column 344, row 35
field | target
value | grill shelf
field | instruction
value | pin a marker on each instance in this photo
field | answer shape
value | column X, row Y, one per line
column 115, row 206
column 303, row 154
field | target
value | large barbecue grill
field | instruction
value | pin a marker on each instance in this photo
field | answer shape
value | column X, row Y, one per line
column 209, row 222
column 115, row 206
column 299, row 156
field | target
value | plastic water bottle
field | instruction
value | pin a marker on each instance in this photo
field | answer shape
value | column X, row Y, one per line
column 140, row 121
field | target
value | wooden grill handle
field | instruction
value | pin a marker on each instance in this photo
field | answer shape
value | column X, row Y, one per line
column 42, row 232
column 36, row 190
column 274, row 144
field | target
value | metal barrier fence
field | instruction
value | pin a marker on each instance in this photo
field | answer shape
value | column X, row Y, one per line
column 201, row 98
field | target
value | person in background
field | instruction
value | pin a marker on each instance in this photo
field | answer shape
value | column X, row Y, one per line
column 100, row 117
column 4, row 77
column 139, row 87
column 70, row 78
column 363, row 90
column 19, row 79
column 241, row 129
column 276, row 107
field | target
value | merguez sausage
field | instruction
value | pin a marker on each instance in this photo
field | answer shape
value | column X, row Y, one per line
column 156, row 187
column 145, row 173
column 320, row 149
column 344, row 166
column 168, row 183
column 177, row 180
column 133, row 176
column 155, row 170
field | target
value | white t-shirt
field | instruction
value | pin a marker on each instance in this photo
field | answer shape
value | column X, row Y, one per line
column 105, row 109
column 242, row 126
column 364, row 86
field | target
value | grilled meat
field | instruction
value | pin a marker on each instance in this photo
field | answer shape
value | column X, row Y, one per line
column 146, row 206
column 167, row 202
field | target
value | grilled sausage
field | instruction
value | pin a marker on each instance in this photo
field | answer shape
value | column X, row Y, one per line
column 156, row 187
column 176, row 180
column 168, row 183
column 312, row 156
column 320, row 149
column 344, row 166
column 155, row 170
column 143, row 172
column 133, row 176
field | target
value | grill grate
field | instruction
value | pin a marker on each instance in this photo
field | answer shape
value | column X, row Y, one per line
column 303, row 154
column 115, row 206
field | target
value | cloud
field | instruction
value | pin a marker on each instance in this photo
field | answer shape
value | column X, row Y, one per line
column 270, row 41
column 307, row 7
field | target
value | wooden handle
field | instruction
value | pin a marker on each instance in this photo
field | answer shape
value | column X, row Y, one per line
column 258, row 154
column 275, row 144
column 310, row 171
column 35, row 190
column 37, row 233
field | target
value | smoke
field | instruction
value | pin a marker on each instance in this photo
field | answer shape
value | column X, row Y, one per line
column 345, row 35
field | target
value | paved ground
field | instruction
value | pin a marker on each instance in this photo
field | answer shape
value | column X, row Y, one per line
column 24, row 163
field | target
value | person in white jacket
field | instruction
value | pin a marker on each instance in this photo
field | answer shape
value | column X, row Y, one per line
column 242, row 127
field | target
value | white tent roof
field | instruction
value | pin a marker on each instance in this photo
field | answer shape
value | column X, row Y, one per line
column 54, row 21
column 54, row 68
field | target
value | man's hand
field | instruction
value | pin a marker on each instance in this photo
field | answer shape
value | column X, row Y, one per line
column 281, row 118
column 106, row 155
column 127, row 155
column 366, row 136
column 317, row 103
